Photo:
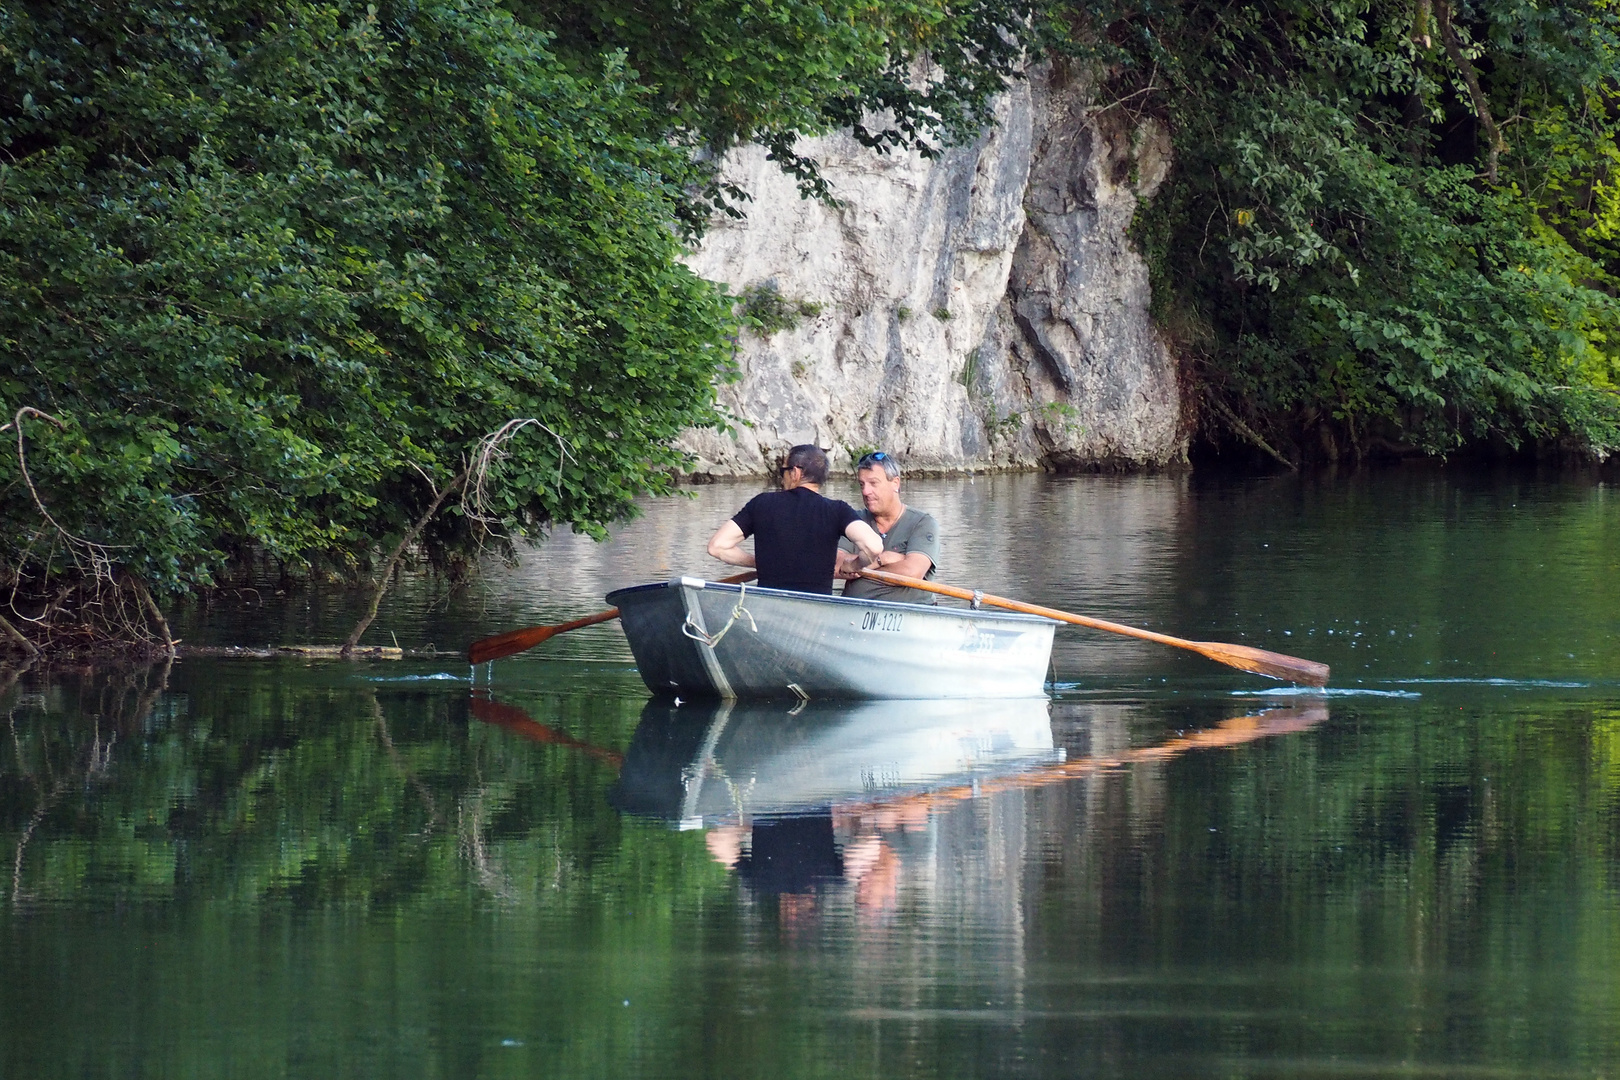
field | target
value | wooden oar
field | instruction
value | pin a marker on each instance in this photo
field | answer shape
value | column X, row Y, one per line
column 515, row 641
column 1243, row 657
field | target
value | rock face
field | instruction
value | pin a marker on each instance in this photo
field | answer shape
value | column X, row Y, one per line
column 981, row 310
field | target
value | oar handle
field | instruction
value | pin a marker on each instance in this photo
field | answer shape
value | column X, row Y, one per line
column 1243, row 657
column 887, row 578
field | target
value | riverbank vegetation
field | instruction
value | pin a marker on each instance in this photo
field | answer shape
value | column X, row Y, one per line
column 1393, row 226
column 321, row 287
column 316, row 286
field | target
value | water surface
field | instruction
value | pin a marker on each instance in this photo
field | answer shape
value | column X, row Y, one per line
column 250, row 868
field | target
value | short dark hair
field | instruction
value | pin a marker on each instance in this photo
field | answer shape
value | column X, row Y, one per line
column 809, row 460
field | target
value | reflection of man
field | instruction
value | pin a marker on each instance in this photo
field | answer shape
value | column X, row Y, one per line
column 796, row 530
column 910, row 537
column 798, row 855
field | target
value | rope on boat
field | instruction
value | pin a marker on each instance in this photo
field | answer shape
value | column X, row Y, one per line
column 696, row 632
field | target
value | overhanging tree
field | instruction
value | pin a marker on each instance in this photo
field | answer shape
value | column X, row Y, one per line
column 271, row 274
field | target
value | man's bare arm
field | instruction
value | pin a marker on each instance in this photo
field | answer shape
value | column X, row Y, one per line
column 864, row 537
column 726, row 545
column 911, row 564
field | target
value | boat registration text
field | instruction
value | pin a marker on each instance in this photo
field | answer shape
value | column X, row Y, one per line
column 881, row 620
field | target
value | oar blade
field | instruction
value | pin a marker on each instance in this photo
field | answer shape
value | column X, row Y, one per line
column 515, row 641
column 508, row 644
column 1277, row 665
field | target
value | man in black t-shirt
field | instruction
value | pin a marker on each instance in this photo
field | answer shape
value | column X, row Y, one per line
column 795, row 530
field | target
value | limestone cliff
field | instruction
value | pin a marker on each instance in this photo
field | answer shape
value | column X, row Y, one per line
column 981, row 310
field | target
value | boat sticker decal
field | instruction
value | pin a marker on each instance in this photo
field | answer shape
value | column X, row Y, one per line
column 982, row 640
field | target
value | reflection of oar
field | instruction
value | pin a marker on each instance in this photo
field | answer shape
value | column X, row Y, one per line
column 515, row 641
column 1242, row 657
column 515, row 719
column 1227, row 734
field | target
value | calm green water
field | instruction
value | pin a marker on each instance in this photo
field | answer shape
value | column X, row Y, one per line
column 250, row 868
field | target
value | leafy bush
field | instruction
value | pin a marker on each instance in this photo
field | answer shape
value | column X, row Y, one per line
column 276, row 268
column 1336, row 248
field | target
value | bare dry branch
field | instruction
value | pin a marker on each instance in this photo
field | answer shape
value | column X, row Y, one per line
column 155, row 613
column 16, row 636
column 489, row 452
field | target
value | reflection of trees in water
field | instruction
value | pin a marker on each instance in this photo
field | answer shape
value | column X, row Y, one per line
column 52, row 766
column 241, row 783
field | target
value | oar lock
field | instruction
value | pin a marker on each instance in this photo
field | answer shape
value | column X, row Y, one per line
column 978, row 599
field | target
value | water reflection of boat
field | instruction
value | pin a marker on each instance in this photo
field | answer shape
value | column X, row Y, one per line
column 701, row 763
column 708, row 639
column 878, row 794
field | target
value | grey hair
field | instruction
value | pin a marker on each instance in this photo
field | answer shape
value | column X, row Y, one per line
column 880, row 460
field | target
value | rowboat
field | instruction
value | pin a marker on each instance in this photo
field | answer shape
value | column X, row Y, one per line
column 701, row 764
column 703, row 639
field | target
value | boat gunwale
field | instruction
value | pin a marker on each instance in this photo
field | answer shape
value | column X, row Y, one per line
column 835, row 599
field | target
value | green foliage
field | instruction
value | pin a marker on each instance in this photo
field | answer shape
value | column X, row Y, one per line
column 857, row 452
column 763, row 309
column 277, row 267
column 1329, row 248
column 1003, row 427
column 970, row 370
column 723, row 72
column 1061, row 416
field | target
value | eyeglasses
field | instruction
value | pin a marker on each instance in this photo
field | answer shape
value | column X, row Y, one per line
column 877, row 457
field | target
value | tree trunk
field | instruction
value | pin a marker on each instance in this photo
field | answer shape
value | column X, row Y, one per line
column 1482, row 109
column 155, row 614
column 386, row 574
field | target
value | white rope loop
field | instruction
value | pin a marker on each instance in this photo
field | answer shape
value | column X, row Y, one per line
column 696, row 633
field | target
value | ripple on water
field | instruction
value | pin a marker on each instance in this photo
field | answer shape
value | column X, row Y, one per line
column 1326, row 691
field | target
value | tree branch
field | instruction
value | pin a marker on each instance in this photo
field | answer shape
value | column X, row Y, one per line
column 17, row 636
column 380, row 585
column 1482, row 109
column 155, row 613
column 1246, row 431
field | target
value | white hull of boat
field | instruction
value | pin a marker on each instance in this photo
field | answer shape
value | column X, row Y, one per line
column 696, row 638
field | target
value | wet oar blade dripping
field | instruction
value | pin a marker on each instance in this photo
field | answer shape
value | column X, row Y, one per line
column 516, row 641
column 512, row 642
column 1243, row 657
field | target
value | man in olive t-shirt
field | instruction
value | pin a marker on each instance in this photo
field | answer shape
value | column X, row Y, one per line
column 910, row 537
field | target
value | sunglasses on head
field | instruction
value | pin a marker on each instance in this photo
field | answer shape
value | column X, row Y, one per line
column 877, row 457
